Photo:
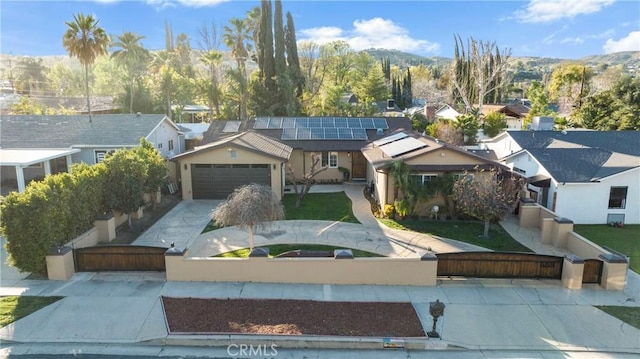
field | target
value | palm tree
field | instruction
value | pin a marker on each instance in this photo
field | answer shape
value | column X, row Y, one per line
column 85, row 41
column 236, row 37
column 212, row 59
column 132, row 56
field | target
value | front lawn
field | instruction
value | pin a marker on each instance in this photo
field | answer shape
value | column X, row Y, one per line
column 464, row 231
column 625, row 239
column 277, row 249
column 16, row 307
column 629, row 315
column 320, row 206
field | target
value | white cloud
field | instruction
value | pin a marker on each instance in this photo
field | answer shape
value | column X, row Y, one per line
column 371, row 33
column 629, row 43
column 551, row 10
column 574, row 40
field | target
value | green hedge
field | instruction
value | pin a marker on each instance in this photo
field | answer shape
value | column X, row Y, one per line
column 53, row 211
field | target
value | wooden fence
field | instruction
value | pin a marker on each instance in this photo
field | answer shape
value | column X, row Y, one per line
column 119, row 258
column 592, row 271
column 499, row 265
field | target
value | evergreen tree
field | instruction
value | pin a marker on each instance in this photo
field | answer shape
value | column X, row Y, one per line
column 292, row 56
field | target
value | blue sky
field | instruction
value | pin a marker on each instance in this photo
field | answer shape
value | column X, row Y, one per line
column 548, row 28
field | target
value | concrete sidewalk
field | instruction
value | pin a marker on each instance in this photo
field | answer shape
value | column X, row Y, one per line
column 481, row 314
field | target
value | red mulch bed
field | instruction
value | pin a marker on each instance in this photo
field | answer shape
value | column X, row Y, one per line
column 291, row 317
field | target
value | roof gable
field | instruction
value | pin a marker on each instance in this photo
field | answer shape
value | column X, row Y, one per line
column 249, row 140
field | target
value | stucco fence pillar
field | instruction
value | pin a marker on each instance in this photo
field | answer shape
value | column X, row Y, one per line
column 614, row 271
column 60, row 264
column 572, row 271
column 528, row 213
column 106, row 226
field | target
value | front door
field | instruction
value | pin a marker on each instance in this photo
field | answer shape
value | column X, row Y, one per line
column 358, row 165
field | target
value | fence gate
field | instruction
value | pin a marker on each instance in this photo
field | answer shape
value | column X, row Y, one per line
column 592, row 271
column 119, row 258
column 499, row 265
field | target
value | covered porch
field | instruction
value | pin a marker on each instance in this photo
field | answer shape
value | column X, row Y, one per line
column 19, row 167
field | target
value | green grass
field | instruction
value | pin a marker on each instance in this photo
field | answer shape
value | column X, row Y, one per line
column 13, row 308
column 625, row 240
column 629, row 315
column 316, row 206
column 276, row 249
column 320, row 206
column 464, row 231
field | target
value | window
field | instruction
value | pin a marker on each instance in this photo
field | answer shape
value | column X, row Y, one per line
column 617, row 197
column 330, row 159
column 459, row 176
column 170, row 145
column 160, row 145
column 424, row 178
column 99, row 156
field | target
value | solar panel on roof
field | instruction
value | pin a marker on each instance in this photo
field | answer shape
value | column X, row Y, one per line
column 328, row 122
column 289, row 122
column 317, row 133
column 303, row 134
column 231, row 126
column 359, row 133
column 261, row 123
column 367, row 123
column 340, row 122
column 331, row 133
column 315, row 122
column 403, row 146
column 389, row 139
column 275, row 122
column 380, row 123
column 302, row 122
column 345, row 133
column 289, row 133
column 354, row 123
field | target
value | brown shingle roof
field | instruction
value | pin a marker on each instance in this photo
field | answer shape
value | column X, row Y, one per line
column 251, row 141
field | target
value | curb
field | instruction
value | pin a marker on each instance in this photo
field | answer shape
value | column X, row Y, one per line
column 307, row 342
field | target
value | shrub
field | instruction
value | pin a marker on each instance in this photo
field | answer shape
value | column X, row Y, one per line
column 401, row 207
column 388, row 211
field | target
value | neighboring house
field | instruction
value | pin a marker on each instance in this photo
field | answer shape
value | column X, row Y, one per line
column 349, row 98
column 446, row 112
column 34, row 146
column 338, row 140
column 99, row 104
column 427, row 157
column 590, row 177
column 214, row 170
column 193, row 133
column 514, row 114
column 190, row 113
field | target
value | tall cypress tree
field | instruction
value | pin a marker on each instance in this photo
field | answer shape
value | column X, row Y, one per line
column 292, row 56
column 266, row 36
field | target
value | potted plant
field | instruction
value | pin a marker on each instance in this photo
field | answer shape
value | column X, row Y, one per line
column 402, row 209
column 345, row 173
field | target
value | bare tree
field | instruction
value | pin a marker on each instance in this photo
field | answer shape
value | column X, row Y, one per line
column 479, row 71
column 487, row 195
column 249, row 207
column 306, row 181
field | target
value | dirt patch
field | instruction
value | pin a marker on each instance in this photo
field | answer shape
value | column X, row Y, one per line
column 291, row 317
column 126, row 235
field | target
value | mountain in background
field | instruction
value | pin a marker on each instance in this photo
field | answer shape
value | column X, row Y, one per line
column 630, row 59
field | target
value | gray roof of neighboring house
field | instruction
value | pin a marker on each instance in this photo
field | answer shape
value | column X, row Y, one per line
column 216, row 128
column 582, row 156
column 30, row 131
column 249, row 140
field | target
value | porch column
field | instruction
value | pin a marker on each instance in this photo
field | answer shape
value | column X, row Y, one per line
column 69, row 162
column 47, row 167
column 20, row 178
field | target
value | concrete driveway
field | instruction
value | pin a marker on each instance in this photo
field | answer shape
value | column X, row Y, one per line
column 181, row 225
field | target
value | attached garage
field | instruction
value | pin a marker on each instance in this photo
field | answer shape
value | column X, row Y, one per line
column 217, row 181
column 215, row 170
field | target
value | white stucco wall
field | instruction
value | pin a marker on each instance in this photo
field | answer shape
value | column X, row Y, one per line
column 162, row 135
column 588, row 203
